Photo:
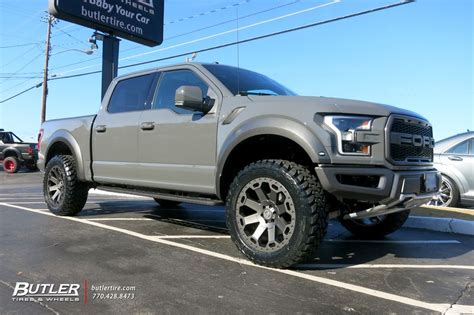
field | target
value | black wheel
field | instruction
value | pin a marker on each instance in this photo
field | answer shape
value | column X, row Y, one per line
column 31, row 166
column 276, row 213
column 11, row 164
column 63, row 192
column 448, row 195
column 167, row 203
column 376, row 227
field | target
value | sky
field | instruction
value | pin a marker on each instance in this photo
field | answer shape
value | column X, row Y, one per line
column 417, row 56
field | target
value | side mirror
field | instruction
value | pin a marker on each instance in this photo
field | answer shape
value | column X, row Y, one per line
column 190, row 97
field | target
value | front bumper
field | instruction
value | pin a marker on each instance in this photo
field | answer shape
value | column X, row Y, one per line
column 392, row 191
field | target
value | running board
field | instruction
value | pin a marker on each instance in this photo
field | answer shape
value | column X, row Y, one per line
column 165, row 196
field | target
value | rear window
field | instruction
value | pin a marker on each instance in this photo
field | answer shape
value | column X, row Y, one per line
column 130, row 94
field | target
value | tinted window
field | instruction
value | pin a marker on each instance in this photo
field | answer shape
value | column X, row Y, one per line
column 245, row 82
column 170, row 82
column 130, row 94
column 471, row 150
column 6, row 137
column 462, row 148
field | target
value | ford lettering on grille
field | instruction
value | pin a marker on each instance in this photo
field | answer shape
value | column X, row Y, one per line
column 410, row 141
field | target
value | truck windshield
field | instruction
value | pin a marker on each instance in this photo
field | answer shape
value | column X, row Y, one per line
column 245, row 82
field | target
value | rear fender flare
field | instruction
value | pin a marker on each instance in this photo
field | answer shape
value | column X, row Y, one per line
column 66, row 138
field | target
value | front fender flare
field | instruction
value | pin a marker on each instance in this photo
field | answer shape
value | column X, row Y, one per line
column 271, row 125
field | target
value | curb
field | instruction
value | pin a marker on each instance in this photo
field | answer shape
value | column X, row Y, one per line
column 446, row 225
column 444, row 212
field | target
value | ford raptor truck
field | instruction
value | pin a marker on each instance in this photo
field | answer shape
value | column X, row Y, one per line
column 283, row 164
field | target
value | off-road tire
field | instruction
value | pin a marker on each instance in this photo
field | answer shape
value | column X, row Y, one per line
column 389, row 224
column 311, row 208
column 11, row 164
column 74, row 192
column 167, row 203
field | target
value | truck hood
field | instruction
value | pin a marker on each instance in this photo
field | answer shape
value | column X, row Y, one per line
column 337, row 105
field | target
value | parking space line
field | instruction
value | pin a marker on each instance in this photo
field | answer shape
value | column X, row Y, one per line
column 119, row 219
column 397, row 242
column 23, row 198
column 42, row 201
column 192, row 236
column 25, row 202
column 381, row 266
column 439, row 307
column 24, row 194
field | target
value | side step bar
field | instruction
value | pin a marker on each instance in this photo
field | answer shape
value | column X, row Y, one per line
column 165, row 196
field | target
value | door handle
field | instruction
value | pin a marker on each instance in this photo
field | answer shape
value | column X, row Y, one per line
column 147, row 126
column 455, row 158
column 100, row 129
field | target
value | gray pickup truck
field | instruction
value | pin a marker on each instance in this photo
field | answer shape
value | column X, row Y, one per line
column 15, row 153
column 283, row 164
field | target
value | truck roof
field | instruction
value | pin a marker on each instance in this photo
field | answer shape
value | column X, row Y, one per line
column 145, row 71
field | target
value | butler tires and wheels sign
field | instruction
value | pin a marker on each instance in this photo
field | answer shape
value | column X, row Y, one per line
column 140, row 21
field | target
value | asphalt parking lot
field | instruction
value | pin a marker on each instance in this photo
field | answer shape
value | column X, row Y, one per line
column 181, row 261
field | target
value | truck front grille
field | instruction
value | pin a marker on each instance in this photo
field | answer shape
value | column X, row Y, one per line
column 410, row 141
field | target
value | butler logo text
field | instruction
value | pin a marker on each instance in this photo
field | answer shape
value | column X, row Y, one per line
column 46, row 292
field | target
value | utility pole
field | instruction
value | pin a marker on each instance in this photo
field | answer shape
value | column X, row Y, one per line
column 46, row 65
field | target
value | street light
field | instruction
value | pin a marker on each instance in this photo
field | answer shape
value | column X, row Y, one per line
column 48, row 55
column 86, row 51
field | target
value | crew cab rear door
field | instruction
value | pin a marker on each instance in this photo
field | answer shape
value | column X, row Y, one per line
column 115, row 131
column 177, row 147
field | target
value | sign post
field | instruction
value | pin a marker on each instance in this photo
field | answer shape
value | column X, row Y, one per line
column 110, row 56
column 139, row 21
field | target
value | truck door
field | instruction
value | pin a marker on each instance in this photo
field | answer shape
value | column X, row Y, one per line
column 177, row 147
column 115, row 131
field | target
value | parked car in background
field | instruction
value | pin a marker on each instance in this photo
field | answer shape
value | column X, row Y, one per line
column 15, row 153
column 454, row 158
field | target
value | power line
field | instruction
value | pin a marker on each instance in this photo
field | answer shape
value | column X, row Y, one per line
column 18, row 57
column 71, row 36
column 290, row 30
column 23, row 67
column 224, row 22
column 215, row 35
column 20, row 45
column 22, row 92
column 18, row 78
column 208, row 12
column 188, row 33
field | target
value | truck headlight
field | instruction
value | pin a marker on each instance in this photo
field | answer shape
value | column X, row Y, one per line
column 345, row 128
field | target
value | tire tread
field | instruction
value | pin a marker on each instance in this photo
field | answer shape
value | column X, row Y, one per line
column 310, row 193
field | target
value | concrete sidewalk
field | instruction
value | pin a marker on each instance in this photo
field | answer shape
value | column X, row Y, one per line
column 448, row 220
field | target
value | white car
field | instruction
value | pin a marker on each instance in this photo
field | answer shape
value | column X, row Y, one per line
column 454, row 158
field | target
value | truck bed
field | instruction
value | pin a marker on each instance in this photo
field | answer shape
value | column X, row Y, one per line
column 77, row 132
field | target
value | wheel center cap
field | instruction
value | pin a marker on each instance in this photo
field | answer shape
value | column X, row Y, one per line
column 268, row 213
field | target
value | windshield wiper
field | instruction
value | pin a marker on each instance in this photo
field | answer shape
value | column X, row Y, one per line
column 246, row 93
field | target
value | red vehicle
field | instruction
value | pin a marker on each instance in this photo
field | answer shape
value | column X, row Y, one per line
column 15, row 153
